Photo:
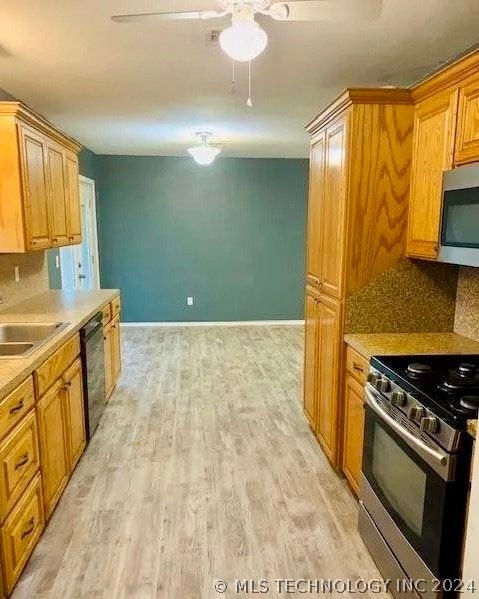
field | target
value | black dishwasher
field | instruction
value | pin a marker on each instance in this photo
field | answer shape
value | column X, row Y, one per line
column 93, row 360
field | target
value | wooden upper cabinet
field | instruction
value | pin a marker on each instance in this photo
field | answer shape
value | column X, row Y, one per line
column 433, row 153
column 310, row 355
column 35, row 188
column 316, row 193
column 57, row 190
column 73, row 197
column 467, row 143
column 39, row 187
column 333, row 208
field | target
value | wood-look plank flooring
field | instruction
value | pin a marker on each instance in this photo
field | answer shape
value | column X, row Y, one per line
column 203, row 468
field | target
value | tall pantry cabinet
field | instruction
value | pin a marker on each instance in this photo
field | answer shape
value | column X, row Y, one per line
column 357, row 218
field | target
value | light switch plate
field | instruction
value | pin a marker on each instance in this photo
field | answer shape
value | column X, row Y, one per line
column 189, row 301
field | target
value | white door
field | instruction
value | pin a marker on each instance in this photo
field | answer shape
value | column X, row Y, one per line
column 79, row 263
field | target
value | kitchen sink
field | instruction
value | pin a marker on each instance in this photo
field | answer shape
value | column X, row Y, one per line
column 12, row 350
column 19, row 339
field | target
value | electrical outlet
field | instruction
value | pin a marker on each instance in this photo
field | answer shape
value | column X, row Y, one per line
column 189, row 301
column 17, row 274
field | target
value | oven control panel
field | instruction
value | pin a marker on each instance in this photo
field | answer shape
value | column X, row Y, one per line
column 419, row 416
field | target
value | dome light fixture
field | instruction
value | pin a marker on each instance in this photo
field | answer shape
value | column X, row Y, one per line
column 244, row 39
column 204, row 153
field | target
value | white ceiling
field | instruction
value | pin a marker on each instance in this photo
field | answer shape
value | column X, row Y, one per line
column 145, row 88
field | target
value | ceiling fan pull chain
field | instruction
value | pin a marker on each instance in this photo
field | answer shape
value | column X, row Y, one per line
column 233, row 79
column 249, row 102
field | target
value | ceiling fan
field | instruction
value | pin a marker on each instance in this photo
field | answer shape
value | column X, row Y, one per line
column 245, row 39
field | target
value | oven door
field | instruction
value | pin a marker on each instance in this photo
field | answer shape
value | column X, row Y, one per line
column 409, row 477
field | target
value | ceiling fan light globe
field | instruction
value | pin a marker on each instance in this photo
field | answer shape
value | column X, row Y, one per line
column 205, row 154
column 243, row 41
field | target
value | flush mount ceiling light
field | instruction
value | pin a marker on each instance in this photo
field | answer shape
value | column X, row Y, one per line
column 203, row 153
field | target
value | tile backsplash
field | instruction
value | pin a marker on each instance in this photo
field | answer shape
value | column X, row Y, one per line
column 467, row 304
column 33, row 277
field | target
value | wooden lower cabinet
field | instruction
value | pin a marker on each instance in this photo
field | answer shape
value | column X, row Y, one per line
column 112, row 345
column 353, row 431
column 20, row 532
column 53, row 445
column 107, row 338
column 74, row 413
column 115, row 349
column 322, row 367
column 19, row 462
column 328, row 374
column 310, row 355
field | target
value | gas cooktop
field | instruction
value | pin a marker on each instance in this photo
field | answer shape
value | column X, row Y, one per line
column 448, row 385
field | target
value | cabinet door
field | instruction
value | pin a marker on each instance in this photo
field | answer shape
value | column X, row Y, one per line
column 115, row 349
column 107, row 344
column 433, row 151
column 73, row 197
column 53, row 447
column 58, row 204
column 316, row 192
column 467, row 145
column 353, row 431
column 74, row 413
column 310, row 355
column 35, row 189
column 333, row 209
column 329, row 354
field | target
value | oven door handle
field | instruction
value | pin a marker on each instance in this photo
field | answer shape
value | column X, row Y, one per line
column 440, row 456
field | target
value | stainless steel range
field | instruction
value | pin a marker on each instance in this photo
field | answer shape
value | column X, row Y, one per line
column 415, row 469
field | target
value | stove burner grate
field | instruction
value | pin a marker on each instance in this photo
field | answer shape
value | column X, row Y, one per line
column 417, row 370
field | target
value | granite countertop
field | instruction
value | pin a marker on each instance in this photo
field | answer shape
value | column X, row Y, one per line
column 74, row 307
column 381, row 344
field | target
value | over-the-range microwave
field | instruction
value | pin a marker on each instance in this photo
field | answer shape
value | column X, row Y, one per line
column 459, row 242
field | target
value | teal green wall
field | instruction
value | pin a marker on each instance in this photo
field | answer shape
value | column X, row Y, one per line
column 87, row 166
column 232, row 235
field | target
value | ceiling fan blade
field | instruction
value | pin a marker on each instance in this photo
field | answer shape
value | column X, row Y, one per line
column 168, row 16
column 326, row 10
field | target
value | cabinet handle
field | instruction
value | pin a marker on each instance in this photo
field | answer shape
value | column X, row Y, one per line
column 72, row 238
column 18, row 407
column 55, row 240
column 23, row 460
column 357, row 367
column 30, row 529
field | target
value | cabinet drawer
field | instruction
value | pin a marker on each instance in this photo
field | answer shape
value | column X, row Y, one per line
column 357, row 365
column 56, row 365
column 115, row 306
column 106, row 314
column 14, row 407
column 21, row 531
column 19, row 462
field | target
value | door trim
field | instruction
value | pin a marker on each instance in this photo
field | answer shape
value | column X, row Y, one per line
column 95, row 267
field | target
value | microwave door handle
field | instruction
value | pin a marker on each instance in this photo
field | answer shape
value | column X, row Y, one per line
column 441, row 457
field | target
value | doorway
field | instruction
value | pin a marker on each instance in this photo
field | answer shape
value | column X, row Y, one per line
column 79, row 263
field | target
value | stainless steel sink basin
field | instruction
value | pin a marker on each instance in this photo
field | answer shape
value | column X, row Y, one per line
column 19, row 339
column 12, row 350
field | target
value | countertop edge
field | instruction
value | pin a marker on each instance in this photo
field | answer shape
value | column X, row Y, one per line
column 45, row 351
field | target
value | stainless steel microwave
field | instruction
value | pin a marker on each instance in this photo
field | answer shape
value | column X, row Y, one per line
column 459, row 242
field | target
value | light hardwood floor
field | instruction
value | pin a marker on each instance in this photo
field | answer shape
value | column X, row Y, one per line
column 203, row 468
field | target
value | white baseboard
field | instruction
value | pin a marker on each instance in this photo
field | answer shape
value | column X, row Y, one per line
column 224, row 323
